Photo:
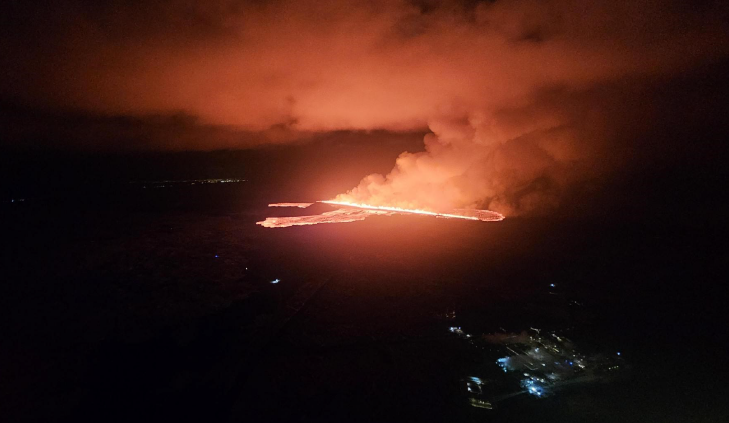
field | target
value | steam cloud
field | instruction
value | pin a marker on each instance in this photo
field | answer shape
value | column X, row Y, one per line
column 523, row 97
column 467, row 164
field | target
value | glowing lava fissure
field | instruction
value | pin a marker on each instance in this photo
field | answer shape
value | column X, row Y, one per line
column 299, row 205
column 353, row 212
column 482, row 215
column 334, row 216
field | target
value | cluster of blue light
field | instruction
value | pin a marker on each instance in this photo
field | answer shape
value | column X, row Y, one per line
column 503, row 363
column 532, row 387
column 540, row 364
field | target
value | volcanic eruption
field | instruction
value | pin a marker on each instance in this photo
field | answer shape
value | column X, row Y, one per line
column 352, row 212
column 524, row 102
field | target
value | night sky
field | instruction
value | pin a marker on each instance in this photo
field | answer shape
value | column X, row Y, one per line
column 527, row 103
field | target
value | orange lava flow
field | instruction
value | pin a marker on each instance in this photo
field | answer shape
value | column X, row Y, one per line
column 335, row 216
column 299, row 205
column 353, row 212
column 482, row 215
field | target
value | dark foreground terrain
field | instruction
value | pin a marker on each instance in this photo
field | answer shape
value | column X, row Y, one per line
column 157, row 305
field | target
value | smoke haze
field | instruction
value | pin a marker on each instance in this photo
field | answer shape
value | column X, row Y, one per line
column 525, row 100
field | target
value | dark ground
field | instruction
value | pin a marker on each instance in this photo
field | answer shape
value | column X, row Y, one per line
column 136, row 304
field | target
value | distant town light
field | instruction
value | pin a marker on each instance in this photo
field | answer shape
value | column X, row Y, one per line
column 276, row 280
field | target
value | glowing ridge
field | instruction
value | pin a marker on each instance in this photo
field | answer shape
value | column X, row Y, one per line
column 334, row 216
column 353, row 212
column 493, row 216
column 299, row 205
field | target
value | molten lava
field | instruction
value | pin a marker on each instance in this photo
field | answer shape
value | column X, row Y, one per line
column 483, row 215
column 352, row 212
column 335, row 216
column 299, row 205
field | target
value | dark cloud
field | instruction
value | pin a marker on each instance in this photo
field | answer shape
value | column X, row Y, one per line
column 89, row 131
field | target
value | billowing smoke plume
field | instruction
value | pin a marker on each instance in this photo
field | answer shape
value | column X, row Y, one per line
column 472, row 163
column 523, row 97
